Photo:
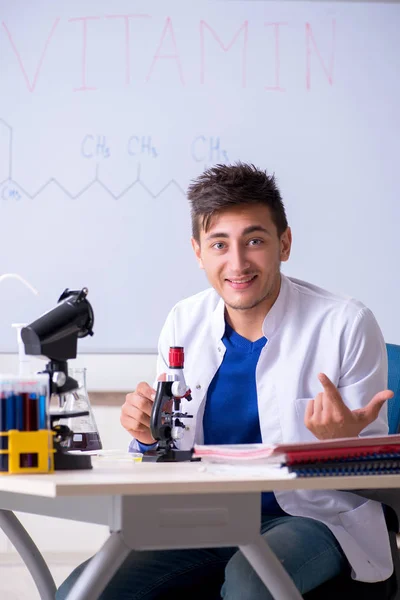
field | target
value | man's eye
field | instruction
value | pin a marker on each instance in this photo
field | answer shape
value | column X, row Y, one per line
column 219, row 245
column 255, row 242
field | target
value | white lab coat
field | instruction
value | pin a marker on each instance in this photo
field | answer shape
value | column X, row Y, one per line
column 308, row 330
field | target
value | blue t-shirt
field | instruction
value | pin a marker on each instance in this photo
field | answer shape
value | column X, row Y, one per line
column 231, row 411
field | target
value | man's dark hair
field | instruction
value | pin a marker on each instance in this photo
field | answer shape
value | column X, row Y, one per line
column 223, row 186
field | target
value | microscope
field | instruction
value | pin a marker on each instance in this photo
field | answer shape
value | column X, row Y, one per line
column 55, row 335
column 166, row 416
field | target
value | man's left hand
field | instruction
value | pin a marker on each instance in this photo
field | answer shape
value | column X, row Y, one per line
column 327, row 416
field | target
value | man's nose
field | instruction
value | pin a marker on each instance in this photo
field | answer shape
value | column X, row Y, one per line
column 238, row 259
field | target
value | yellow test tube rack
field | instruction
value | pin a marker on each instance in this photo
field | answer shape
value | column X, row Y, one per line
column 38, row 445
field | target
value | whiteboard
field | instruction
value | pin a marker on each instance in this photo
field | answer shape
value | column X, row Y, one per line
column 109, row 109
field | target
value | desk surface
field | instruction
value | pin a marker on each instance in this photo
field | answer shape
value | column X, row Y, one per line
column 181, row 478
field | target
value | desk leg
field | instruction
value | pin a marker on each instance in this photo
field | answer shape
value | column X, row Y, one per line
column 100, row 569
column 270, row 571
column 29, row 553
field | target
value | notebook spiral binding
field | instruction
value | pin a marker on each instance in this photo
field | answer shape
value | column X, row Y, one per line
column 379, row 464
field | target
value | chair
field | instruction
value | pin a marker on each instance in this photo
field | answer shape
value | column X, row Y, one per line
column 393, row 352
column 343, row 586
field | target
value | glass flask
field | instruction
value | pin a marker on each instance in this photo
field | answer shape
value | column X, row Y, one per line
column 86, row 435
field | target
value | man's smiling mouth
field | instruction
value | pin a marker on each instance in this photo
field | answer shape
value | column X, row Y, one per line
column 242, row 282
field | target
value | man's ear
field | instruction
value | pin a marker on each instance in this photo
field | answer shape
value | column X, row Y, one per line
column 286, row 244
column 197, row 251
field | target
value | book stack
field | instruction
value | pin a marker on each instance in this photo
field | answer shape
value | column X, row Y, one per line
column 345, row 456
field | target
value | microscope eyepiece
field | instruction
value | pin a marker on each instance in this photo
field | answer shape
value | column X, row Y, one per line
column 55, row 333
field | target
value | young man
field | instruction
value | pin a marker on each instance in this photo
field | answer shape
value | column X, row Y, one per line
column 271, row 359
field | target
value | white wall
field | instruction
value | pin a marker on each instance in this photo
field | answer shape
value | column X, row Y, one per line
column 105, row 372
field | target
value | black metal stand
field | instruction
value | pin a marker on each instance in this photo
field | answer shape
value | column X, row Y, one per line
column 68, row 462
column 174, row 455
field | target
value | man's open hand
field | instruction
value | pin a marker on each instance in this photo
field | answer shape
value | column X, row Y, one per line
column 327, row 416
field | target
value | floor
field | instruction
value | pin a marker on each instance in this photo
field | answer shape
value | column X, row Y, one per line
column 16, row 582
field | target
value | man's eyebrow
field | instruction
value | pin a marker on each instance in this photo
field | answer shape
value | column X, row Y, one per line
column 255, row 228
column 250, row 229
column 217, row 234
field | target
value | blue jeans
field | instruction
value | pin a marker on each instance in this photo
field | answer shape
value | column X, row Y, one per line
column 307, row 549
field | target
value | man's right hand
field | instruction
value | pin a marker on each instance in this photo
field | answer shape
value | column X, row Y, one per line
column 136, row 413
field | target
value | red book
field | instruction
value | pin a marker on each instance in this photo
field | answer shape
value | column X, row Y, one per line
column 301, row 451
column 316, row 454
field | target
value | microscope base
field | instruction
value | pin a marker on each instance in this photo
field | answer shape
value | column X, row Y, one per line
column 173, row 455
column 66, row 462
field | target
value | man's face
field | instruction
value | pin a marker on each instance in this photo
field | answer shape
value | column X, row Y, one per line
column 241, row 255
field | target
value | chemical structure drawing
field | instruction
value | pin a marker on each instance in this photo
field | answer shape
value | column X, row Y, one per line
column 12, row 190
column 20, row 279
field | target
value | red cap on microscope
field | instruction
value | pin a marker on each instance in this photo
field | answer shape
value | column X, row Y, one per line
column 176, row 357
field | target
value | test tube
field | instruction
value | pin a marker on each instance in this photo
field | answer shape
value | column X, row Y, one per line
column 42, row 407
column 3, row 428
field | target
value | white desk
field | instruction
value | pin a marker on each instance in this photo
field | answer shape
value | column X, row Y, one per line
column 157, row 506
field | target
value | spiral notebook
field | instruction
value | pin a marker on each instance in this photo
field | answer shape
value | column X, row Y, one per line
column 368, row 465
column 344, row 456
column 375, row 459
